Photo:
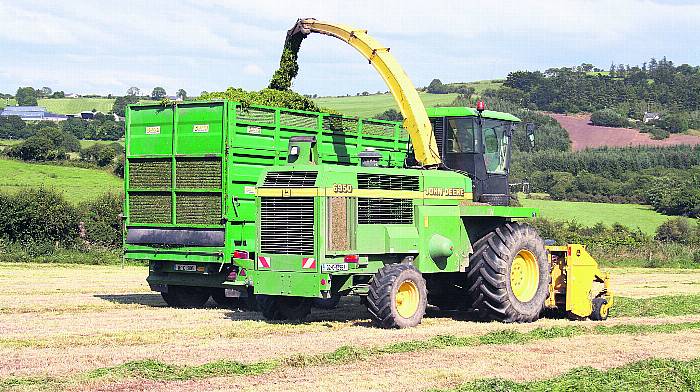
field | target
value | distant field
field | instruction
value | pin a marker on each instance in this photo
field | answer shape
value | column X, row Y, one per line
column 481, row 85
column 76, row 184
column 89, row 143
column 368, row 106
column 631, row 215
column 72, row 105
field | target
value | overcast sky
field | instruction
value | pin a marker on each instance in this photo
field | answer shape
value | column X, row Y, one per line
column 106, row 47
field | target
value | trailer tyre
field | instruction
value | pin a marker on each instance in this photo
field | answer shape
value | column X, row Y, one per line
column 187, row 297
column 279, row 307
column 598, row 313
column 508, row 278
column 397, row 296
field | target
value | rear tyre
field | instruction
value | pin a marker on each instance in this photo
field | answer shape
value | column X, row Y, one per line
column 219, row 296
column 397, row 296
column 187, row 297
column 277, row 307
column 327, row 303
column 598, row 313
column 509, row 275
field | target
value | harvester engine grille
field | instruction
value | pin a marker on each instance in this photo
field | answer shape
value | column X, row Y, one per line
column 291, row 179
column 287, row 225
column 387, row 182
column 384, row 211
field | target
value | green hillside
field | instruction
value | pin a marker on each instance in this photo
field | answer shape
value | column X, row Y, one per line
column 76, row 184
column 370, row 105
column 588, row 214
column 72, row 105
column 481, row 85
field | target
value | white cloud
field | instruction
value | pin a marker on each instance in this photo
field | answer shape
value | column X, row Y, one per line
column 253, row 69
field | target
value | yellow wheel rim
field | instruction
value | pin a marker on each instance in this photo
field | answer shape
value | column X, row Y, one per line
column 407, row 299
column 524, row 276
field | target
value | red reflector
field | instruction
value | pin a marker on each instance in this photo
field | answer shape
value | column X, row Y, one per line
column 480, row 106
column 568, row 250
column 323, row 282
column 352, row 258
column 243, row 272
column 232, row 275
column 240, row 254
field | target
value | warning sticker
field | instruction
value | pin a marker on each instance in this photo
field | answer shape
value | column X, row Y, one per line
column 249, row 190
column 254, row 130
column 200, row 128
column 153, row 130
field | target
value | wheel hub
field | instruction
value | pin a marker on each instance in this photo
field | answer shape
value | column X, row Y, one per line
column 407, row 299
column 524, row 275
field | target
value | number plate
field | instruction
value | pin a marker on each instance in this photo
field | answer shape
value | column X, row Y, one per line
column 185, row 267
column 334, row 267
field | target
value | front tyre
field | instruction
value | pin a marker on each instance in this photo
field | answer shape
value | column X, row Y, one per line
column 397, row 296
column 508, row 278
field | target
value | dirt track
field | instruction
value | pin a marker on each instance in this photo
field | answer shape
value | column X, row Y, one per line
column 585, row 135
column 62, row 322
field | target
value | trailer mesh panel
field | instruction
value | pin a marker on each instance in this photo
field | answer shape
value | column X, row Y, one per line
column 198, row 173
column 299, row 120
column 387, row 182
column 338, row 124
column 291, row 179
column 149, row 173
column 384, row 211
column 257, row 115
column 198, row 208
column 150, row 207
column 377, row 129
column 287, row 225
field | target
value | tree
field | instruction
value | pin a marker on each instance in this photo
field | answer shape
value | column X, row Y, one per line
column 436, row 87
column 390, row 115
column 181, row 94
column 36, row 148
column 46, row 91
column 133, row 92
column 26, row 96
column 119, row 106
column 158, row 93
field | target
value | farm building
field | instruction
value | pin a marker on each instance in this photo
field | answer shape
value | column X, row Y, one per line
column 32, row 113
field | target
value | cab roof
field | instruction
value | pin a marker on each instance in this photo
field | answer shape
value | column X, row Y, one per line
column 462, row 111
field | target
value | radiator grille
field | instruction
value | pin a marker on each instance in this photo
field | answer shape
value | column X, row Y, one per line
column 198, row 173
column 299, row 120
column 150, row 173
column 198, row 208
column 338, row 224
column 387, row 181
column 287, row 225
column 150, row 207
column 258, row 115
column 439, row 132
column 291, row 179
column 384, row 211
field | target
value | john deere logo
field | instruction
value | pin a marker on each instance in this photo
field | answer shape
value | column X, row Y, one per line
column 437, row 192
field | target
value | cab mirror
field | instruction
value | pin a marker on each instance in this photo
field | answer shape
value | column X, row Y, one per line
column 530, row 131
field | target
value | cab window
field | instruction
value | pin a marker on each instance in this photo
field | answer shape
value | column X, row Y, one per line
column 460, row 135
column 495, row 145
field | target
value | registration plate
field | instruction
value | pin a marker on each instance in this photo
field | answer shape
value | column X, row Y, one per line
column 186, row 267
column 334, row 267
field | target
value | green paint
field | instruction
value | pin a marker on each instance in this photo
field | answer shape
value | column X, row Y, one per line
column 461, row 111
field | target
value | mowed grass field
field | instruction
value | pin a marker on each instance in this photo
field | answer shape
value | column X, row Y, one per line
column 100, row 328
column 638, row 216
column 76, row 184
column 371, row 105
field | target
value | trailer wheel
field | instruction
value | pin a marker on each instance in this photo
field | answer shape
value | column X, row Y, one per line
column 509, row 276
column 598, row 313
column 186, row 296
column 327, row 303
column 219, row 296
column 397, row 296
column 279, row 307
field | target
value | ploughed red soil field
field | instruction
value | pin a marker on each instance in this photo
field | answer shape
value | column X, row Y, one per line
column 585, row 135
